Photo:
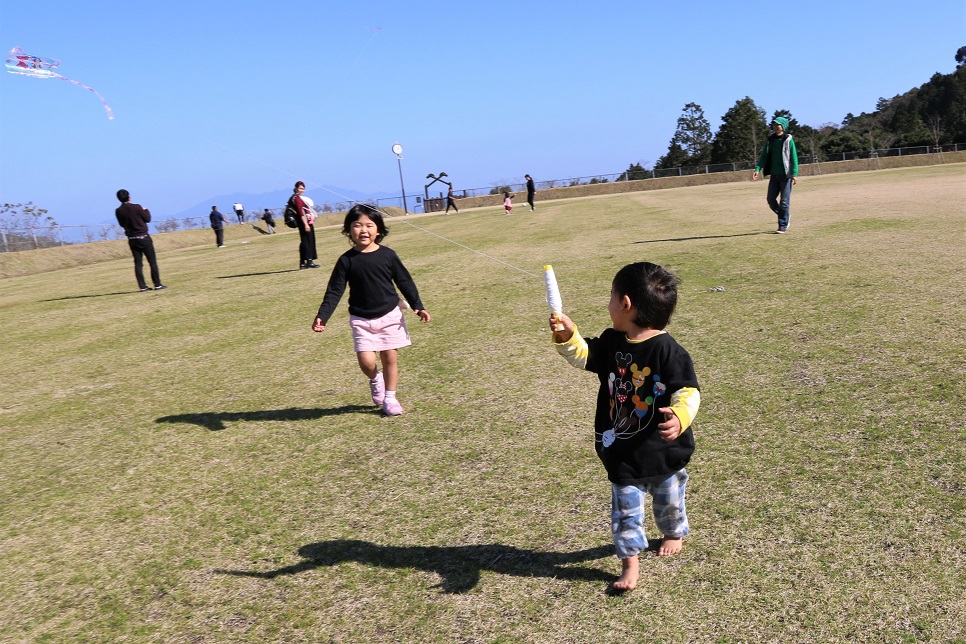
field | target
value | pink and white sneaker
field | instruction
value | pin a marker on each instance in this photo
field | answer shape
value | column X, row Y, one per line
column 377, row 388
column 391, row 407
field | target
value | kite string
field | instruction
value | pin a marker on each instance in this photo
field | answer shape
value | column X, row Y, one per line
column 16, row 63
column 346, row 199
column 451, row 241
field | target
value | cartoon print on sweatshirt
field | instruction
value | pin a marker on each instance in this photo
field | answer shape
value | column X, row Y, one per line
column 630, row 413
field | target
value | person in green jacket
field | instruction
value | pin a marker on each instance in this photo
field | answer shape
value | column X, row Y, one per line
column 779, row 159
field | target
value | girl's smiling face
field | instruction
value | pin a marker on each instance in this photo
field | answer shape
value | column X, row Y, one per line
column 363, row 233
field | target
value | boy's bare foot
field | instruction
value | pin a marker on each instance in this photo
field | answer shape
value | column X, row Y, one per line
column 630, row 571
column 670, row 546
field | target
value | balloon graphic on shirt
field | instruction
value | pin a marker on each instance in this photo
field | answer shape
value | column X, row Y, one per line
column 622, row 359
column 24, row 64
column 641, row 406
column 610, row 383
column 607, row 438
column 638, row 375
column 623, row 389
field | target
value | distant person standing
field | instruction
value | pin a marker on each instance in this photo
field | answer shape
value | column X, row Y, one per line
column 779, row 159
column 240, row 213
column 531, row 190
column 134, row 220
column 451, row 201
column 269, row 221
column 507, row 202
column 218, row 222
column 306, row 220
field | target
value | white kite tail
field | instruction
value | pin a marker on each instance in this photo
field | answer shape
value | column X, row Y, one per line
column 554, row 301
column 107, row 108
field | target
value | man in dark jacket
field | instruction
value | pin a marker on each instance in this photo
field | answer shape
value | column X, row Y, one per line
column 134, row 220
column 218, row 222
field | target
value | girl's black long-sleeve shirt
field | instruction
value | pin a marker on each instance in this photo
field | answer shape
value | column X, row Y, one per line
column 370, row 278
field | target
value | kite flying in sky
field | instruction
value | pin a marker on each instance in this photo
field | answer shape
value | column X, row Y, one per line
column 26, row 65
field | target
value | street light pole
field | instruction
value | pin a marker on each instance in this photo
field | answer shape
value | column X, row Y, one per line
column 397, row 150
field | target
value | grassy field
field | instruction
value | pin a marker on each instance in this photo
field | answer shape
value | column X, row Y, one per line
column 195, row 465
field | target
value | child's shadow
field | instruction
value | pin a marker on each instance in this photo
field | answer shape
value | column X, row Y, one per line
column 459, row 566
column 215, row 420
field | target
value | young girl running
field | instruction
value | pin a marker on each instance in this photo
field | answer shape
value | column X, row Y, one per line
column 375, row 314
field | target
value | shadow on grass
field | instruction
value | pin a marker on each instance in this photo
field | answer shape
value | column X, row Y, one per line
column 80, row 297
column 680, row 239
column 215, row 420
column 287, row 270
column 459, row 566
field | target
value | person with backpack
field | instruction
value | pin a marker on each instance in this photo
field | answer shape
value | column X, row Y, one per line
column 305, row 222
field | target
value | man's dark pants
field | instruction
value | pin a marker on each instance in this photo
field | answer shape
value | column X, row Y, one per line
column 143, row 248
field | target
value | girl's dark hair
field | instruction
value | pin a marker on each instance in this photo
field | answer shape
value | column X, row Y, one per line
column 297, row 184
column 359, row 210
column 652, row 290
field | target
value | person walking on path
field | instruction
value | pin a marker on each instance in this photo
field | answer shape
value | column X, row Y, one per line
column 306, row 221
column 779, row 159
column 451, row 201
column 531, row 190
column 134, row 220
column 218, row 222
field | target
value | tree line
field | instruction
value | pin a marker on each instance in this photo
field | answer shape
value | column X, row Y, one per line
column 930, row 115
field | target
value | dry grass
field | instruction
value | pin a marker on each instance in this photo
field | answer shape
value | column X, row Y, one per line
column 195, row 465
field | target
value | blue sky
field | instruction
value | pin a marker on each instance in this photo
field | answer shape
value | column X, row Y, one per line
column 215, row 98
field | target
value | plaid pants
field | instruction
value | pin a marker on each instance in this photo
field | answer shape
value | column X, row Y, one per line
column 627, row 512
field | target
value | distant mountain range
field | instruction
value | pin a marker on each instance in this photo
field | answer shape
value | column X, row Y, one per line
column 277, row 199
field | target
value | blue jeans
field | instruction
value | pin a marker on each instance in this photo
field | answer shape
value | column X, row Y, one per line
column 780, row 185
column 627, row 512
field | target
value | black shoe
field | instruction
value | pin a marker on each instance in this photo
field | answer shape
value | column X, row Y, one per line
column 312, row 265
column 160, row 287
column 145, row 289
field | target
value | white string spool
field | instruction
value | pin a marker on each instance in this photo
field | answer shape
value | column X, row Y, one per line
column 554, row 301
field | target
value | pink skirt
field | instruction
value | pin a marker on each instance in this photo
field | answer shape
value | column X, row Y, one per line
column 380, row 334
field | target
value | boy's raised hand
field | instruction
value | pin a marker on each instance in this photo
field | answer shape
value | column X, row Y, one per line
column 671, row 427
column 562, row 327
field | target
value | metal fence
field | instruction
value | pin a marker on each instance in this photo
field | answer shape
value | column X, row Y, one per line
column 12, row 239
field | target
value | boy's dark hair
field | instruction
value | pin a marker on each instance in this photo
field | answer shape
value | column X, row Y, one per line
column 123, row 195
column 652, row 290
column 359, row 210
